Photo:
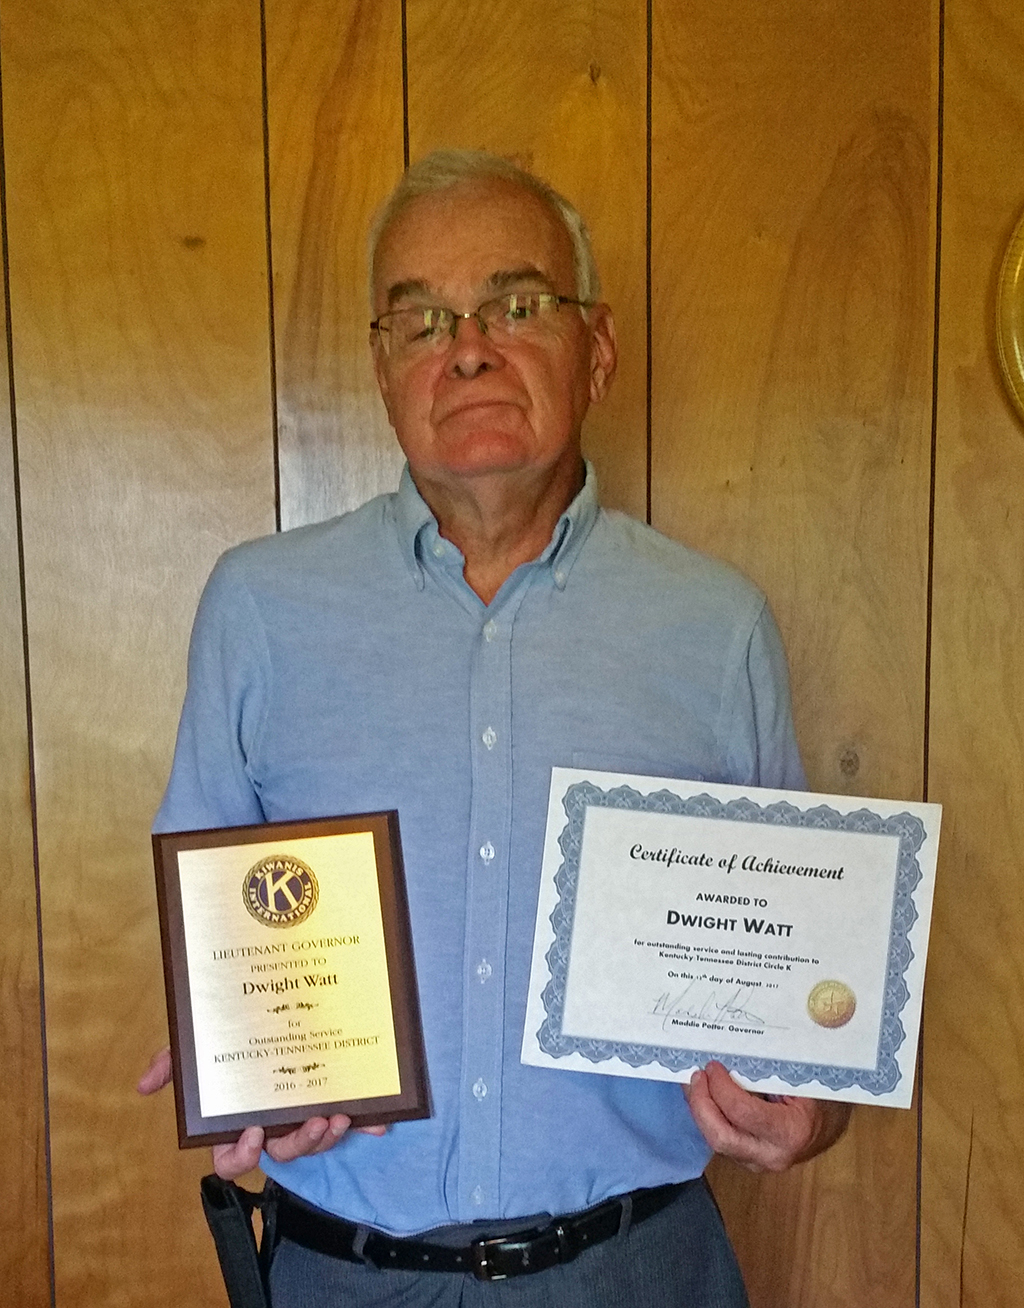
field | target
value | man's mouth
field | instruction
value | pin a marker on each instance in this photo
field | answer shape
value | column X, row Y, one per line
column 483, row 412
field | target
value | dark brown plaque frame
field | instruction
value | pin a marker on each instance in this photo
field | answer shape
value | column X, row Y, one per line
column 412, row 1099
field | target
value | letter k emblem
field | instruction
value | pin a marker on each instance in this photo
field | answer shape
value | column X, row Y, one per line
column 279, row 881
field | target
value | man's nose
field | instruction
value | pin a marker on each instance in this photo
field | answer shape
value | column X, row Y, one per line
column 471, row 351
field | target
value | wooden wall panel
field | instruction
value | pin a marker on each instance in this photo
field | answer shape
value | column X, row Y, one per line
column 972, row 1209
column 560, row 88
column 793, row 176
column 791, row 359
column 24, row 1253
column 334, row 83
column 140, row 329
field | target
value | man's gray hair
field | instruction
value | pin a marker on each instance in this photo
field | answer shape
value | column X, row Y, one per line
column 442, row 169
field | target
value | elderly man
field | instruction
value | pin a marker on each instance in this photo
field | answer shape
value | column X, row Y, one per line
column 437, row 652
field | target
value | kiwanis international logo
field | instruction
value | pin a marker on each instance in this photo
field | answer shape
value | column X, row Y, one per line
column 280, row 891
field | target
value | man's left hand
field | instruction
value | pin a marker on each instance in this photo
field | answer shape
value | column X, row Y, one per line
column 760, row 1134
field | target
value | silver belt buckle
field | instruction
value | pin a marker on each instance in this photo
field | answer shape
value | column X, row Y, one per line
column 481, row 1261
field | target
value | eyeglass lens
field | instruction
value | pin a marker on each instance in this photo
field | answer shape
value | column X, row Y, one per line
column 506, row 315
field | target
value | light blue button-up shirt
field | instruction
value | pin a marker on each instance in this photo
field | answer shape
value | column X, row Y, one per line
column 348, row 667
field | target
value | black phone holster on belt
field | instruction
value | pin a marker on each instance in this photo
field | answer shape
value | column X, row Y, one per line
column 245, row 1266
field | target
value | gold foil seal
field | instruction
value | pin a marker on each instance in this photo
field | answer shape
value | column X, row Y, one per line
column 831, row 1003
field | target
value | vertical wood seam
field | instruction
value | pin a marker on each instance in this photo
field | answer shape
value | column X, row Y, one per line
column 967, row 1200
column 930, row 583
column 918, row 1179
column 935, row 402
column 268, row 226
column 405, row 88
column 647, row 258
column 26, row 673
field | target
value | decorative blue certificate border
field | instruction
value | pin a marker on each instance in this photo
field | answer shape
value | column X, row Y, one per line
column 911, row 833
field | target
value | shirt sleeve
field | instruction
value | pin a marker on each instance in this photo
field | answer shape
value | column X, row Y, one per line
column 760, row 739
column 211, row 782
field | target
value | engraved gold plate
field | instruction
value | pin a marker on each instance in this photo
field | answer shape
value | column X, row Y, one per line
column 1010, row 318
column 290, row 985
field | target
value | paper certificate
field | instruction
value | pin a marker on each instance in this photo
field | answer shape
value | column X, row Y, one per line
column 783, row 934
column 289, row 975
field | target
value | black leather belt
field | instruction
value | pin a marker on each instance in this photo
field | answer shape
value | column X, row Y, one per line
column 488, row 1259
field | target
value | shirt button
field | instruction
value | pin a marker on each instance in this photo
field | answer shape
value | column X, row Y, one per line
column 490, row 629
column 483, row 970
column 438, row 550
column 560, row 577
column 477, row 1196
column 490, row 737
column 480, row 1088
column 487, row 852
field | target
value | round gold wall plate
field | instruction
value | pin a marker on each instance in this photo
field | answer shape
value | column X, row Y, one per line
column 1010, row 318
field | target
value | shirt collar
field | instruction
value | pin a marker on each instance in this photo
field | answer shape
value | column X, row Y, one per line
column 415, row 521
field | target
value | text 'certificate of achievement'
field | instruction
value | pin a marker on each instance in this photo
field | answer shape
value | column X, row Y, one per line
column 288, row 963
column 783, row 934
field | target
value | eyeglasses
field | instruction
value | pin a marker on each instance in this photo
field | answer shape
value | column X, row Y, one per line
column 519, row 315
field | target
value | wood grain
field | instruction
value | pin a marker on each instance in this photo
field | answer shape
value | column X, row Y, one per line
column 24, row 1183
column 561, row 89
column 334, row 84
column 972, row 1209
column 139, row 301
column 793, row 173
column 791, row 353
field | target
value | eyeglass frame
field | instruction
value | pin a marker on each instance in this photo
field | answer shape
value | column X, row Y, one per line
column 456, row 318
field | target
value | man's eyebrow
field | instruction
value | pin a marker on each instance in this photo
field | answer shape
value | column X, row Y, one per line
column 403, row 290
column 506, row 277
column 502, row 280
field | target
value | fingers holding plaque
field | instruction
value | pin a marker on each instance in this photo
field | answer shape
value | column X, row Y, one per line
column 289, row 973
column 781, row 933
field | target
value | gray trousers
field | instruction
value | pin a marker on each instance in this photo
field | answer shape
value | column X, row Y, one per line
column 679, row 1258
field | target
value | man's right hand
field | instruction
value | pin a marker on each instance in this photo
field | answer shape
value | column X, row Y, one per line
column 314, row 1136
column 230, row 1161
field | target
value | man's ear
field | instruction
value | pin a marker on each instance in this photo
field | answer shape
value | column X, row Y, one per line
column 604, row 351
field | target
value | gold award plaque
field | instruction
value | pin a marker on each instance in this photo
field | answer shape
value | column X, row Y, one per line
column 289, row 971
column 831, row 1003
